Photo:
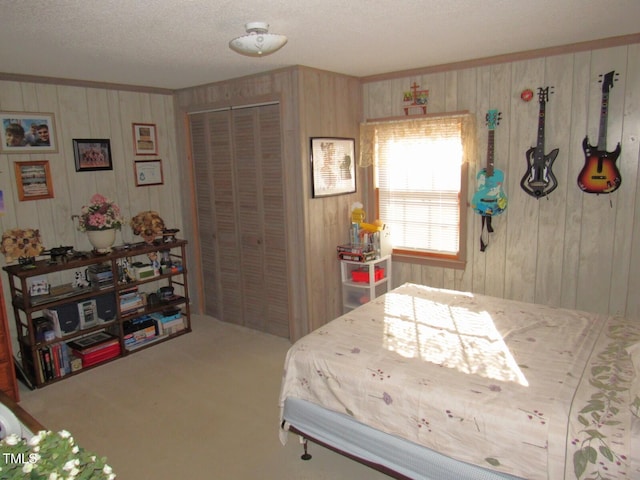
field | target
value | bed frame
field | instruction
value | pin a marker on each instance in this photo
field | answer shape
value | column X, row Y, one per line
column 391, row 455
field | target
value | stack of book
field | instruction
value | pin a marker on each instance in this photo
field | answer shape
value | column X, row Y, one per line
column 100, row 275
column 130, row 300
column 169, row 322
column 139, row 331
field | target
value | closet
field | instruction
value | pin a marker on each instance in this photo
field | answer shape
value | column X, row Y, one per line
column 239, row 182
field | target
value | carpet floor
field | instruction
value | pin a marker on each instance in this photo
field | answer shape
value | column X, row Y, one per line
column 202, row 406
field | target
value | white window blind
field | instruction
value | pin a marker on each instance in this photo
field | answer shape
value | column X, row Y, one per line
column 418, row 180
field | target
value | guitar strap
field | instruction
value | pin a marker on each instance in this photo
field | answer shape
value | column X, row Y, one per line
column 486, row 224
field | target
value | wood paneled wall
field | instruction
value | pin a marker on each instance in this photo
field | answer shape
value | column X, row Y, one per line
column 84, row 112
column 570, row 249
column 330, row 106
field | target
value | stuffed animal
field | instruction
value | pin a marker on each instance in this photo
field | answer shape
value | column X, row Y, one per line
column 79, row 280
column 18, row 243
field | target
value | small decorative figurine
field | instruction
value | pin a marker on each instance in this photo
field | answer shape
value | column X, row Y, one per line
column 415, row 99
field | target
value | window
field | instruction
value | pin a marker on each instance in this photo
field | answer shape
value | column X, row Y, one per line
column 420, row 182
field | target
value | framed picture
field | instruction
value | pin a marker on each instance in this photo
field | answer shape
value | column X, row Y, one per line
column 145, row 139
column 34, row 180
column 332, row 166
column 92, row 154
column 24, row 132
column 148, row 172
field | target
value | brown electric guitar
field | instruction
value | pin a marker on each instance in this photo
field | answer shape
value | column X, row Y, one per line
column 600, row 173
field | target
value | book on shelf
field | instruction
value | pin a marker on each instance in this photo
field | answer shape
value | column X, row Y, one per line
column 138, row 331
column 53, row 362
column 128, row 290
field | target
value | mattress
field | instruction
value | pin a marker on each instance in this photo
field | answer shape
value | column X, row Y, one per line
column 525, row 390
column 373, row 447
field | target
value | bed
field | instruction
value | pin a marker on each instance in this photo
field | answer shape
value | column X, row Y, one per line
column 428, row 383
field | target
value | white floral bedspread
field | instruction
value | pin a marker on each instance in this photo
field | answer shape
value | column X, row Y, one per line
column 530, row 390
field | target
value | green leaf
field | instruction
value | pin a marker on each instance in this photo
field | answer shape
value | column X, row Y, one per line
column 592, row 455
column 583, row 421
column 607, row 453
column 593, row 406
column 580, row 461
column 594, row 434
column 492, row 461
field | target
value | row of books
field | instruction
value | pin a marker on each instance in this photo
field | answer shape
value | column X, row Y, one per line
column 139, row 331
column 146, row 329
column 54, row 361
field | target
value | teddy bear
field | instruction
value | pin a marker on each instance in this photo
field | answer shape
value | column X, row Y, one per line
column 17, row 243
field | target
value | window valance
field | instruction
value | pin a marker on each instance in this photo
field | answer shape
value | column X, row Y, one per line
column 376, row 133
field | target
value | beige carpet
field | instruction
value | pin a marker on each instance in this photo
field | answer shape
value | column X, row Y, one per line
column 202, row 406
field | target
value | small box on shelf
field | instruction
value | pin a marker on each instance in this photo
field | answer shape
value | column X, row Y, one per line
column 361, row 275
column 356, row 252
column 169, row 322
column 142, row 271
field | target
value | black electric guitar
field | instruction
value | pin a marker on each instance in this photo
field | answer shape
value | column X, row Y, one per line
column 600, row 173
column 539, row 180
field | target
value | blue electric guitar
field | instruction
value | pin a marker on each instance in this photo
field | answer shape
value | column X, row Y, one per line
column 490, row 199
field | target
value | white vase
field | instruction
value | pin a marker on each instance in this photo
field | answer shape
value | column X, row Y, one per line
column 102, row 239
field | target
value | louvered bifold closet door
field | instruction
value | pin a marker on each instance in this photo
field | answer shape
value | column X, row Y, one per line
column 260, row 203
column 273, row 198
column 203, row 175
column 217, row 229
column 226, row 229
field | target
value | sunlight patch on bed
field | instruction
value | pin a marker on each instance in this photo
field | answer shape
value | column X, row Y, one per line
column 452, row 337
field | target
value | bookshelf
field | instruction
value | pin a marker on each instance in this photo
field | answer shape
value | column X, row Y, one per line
column 133, row 298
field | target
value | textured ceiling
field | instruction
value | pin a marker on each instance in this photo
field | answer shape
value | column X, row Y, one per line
column 182, row 43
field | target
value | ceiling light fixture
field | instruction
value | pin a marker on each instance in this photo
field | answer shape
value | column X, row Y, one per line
column 258, row 42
